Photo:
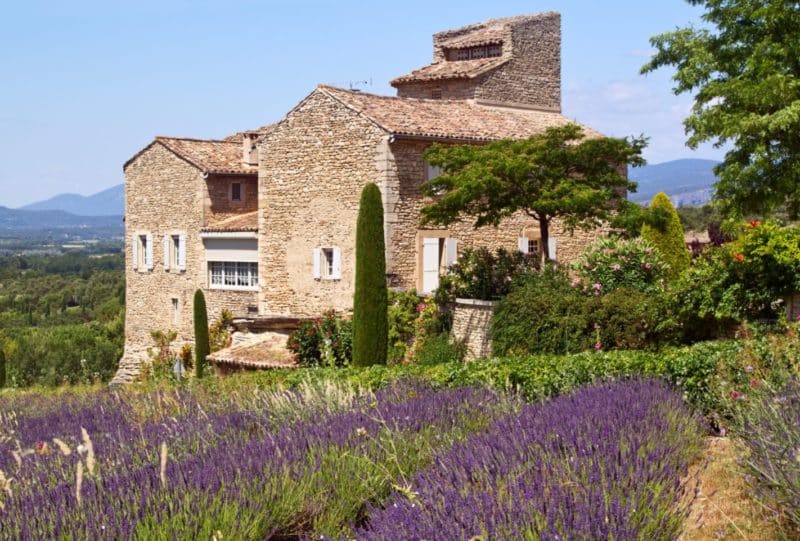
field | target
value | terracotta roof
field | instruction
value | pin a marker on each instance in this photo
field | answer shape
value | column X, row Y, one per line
column 242, row 222
column 488, row 35
column 261, row 351
column 457, row 69
column 449, row 119
column 209, row 155
column 237, row 137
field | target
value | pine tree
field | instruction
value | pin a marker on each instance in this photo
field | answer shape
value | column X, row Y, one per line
column 201, row 343
column 668, row 239
column 370, row 324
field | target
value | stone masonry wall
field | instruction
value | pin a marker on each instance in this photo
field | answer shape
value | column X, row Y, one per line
column 164, row 196
column 533, row 77
column 459, row 89
column 472, row 327
column 218, row 205
column 405, row 173
column 312, row 168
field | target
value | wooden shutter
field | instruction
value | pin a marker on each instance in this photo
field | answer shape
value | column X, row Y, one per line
column 337, row 263
column 135, row 251
column 551, row 248
column 317, row 269
column 522, row 244
column 165, row 243
column 451, row 251
column 148, row 253
column 182, row 252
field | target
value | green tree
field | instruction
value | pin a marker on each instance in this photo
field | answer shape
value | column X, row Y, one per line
column 743, row 71
column 2, row 362
column 202, row 346
column 370, row 323
column 668, row 239
column 555, row 174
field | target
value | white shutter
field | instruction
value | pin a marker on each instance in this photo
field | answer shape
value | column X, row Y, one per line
column 135, row 251
column 451, row 251
column 317, row 257
column 522, row 244
column 165, row 243
column 148, row 254
column 337, row 263
column 182, row 252
column 551, row 248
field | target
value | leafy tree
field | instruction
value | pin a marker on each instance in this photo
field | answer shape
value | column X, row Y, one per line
column 669, row 239
column 744, row 75
column 370, row 323
column 202, row 346
column 555, row 174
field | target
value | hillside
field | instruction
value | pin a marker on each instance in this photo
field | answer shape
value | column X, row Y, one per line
column 16, row 219
column 110, row 202
column 687, row 181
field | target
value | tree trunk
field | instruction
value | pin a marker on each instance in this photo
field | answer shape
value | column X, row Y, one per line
column 544, row 231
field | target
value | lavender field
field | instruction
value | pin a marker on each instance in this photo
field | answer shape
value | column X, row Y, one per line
column 326, row 461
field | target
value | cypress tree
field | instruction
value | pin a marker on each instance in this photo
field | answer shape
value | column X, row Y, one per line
column 370, row 324
column 201, row 344
column 668, row 239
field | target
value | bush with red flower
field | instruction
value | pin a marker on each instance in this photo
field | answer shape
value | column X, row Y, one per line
column 481, row 274
column 323, row 341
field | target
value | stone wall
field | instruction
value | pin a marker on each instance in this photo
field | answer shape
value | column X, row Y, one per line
column 164, row 195
column 458, row 89
column 313, row 166
column 405, row 171
column 533, row 77
column 472, row 327
column 217, row 205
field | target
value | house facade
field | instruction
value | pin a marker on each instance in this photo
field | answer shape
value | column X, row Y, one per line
column 264, row 221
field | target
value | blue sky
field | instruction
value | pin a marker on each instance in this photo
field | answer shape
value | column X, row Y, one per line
column 85, row 85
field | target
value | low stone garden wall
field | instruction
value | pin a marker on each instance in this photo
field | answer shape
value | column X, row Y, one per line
column 471, row 326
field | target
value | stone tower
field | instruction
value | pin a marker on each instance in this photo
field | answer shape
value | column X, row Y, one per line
column 514, row 61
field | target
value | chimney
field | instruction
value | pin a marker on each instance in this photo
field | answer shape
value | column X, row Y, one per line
column 249, row 148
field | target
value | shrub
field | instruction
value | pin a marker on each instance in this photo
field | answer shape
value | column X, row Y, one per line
column 439, row 348
column 770, row 429
column 162, row 357
column 325, row 341
column 219, row 335
column 669, row 239
column 201, row 342
column 610, row 262
column 542, row 314
column 481, row 274
column 627, row 318
column 402, row 313
column 370, row 325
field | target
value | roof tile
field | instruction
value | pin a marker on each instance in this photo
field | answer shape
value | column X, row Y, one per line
column 209, row 155
column 450, row 119
column 241, row 222
column 460, row 69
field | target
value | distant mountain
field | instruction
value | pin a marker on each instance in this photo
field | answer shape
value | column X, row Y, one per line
column 687, row 182
column 110, row 202
column 17, row 219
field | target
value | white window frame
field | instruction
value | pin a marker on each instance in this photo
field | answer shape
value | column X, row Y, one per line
column 233, row 275
column 142, row 251
column 174, row 248
column 447, row 255
column 327, row 263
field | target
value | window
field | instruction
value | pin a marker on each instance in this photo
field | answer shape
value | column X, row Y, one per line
column 431, row 172
column 436, row 93
column 533, row 246
column 175, row 252
column 437, row 251
column 473, row 53
column 237, row 194
column 142, row 252
column 232, row 275
column 175, row 312
column 327, row 263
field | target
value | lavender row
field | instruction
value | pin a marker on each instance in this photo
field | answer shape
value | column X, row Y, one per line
column 603, row 463
column 257, row 479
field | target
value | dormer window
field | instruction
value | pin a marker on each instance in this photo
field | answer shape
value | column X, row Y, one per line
column 236, row 192
column 472, row 53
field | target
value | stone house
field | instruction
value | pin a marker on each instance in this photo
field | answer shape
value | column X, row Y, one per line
column 264, row 221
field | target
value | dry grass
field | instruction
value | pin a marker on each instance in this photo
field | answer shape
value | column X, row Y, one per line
column 723, row 508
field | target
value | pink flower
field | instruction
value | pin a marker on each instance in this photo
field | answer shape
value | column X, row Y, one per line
column 576, row 282
column 748, row 368
column 754, row 383
column 598, row 346
column 735, row 395
column 648, row 266
column 616, row 267
column 421, row 306
column 597, row 286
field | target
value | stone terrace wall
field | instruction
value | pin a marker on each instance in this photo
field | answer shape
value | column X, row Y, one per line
column 472, row 327
column 217, row 204
column 313, row 166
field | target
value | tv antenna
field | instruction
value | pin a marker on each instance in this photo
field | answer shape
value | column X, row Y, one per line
column 353, row 85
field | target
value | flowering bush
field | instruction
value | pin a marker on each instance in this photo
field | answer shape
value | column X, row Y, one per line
column 323, row 341
column 609, row 263
column 481, row 274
